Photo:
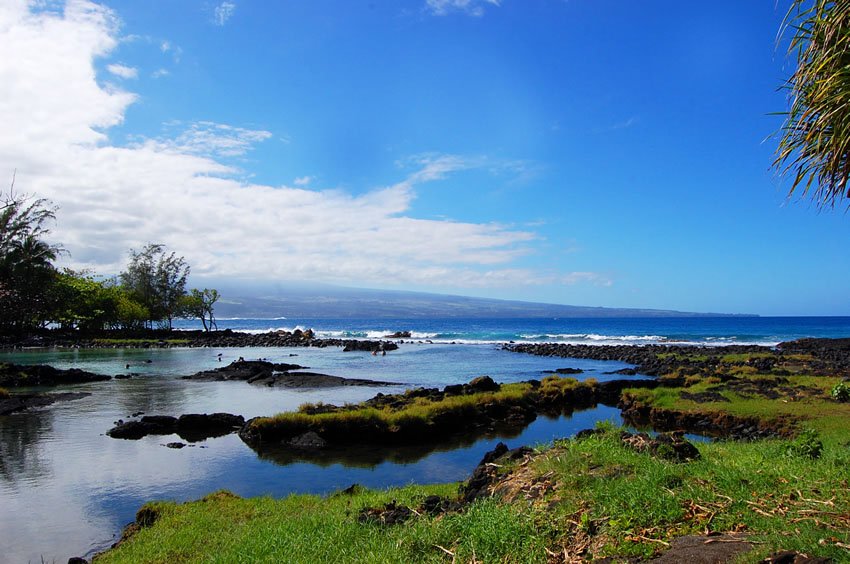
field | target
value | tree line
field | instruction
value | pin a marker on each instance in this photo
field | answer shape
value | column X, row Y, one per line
column 35, row 294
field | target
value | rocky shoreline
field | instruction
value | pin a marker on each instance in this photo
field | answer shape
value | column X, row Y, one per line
column 194, row 339
column 821, row 355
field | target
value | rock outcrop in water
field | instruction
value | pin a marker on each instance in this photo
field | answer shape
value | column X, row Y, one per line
column 16, row 375
column 281, row 375
column 20, row 402
column 192, row 427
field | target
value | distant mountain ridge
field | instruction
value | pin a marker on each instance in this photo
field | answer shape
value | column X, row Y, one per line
column 336, row 302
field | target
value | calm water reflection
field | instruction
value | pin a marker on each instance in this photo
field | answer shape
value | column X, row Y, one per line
column 67, row 489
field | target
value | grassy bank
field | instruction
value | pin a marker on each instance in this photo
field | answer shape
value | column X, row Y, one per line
column 312, row 529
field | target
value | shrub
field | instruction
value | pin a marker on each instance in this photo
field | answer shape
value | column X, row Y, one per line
column 841, row 392
column 806, row 445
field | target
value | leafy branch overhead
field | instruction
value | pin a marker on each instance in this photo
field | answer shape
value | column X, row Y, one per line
column 815, row 145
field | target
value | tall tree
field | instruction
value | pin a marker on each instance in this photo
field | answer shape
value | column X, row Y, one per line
column 26, row 260
column 157, row 280
column 815, row 143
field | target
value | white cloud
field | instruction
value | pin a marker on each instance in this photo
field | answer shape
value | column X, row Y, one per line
column 210, row 139
column 471, row 7
column 159, row 73
column 179, row 190
column 303, row 180
column 122, row 71
column 223, row 12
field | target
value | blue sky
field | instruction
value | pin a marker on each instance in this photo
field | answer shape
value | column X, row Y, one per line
column 602, row 152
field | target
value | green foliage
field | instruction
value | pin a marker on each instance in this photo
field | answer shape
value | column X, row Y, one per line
column 130, row 314
column 806, row 445
column 156, row 279
column 815, row 143
column 33, row 294
column 840, row 392
column 200, row 304
column 27, row 274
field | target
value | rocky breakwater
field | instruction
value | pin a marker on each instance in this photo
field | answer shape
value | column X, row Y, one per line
column 264, row 373
column 192, row 427
column 651, row 360
column 193, row 339
column 296, row 338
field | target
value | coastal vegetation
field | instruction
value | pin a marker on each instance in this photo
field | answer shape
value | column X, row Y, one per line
column 423, row 415
column 35, row 293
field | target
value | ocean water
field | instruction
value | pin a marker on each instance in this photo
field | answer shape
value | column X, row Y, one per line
column 66, row 489
column 602, row 331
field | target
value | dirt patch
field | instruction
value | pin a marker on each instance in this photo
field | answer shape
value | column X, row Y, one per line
column 670, row 446
column 703, row 397
column 390, row 514
column 702, row 549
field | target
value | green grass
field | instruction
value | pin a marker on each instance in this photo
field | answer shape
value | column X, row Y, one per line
column 309, row 529
column 784, row 502
column 815, row 409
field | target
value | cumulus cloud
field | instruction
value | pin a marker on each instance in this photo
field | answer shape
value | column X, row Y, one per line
column 470, row 7
column 181, row 190
column 122, row 71
column 223, row 12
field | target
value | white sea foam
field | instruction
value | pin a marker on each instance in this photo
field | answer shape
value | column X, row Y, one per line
column 500, row 336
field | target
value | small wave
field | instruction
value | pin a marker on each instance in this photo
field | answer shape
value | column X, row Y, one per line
column 594, row 338
column 268, row 330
